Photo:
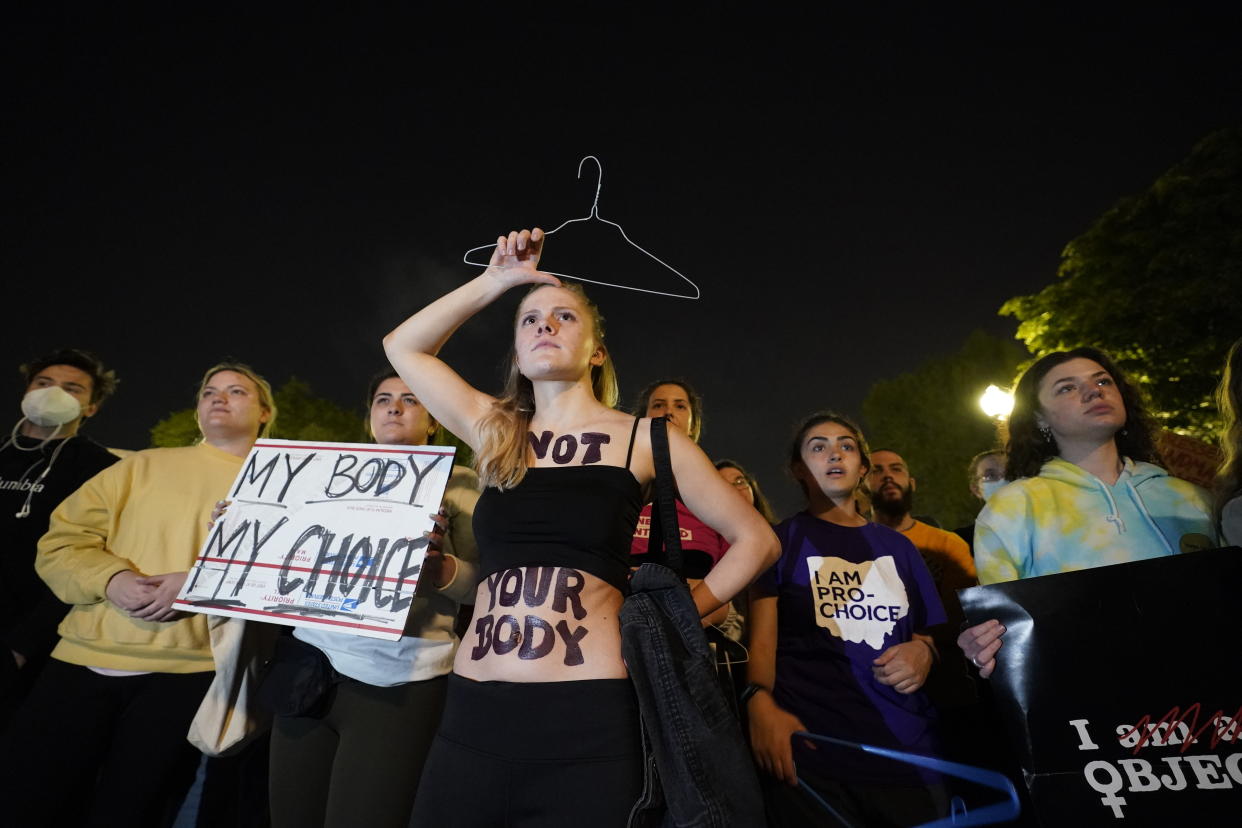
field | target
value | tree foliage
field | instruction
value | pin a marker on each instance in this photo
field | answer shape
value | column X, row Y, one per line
column 180, row 428
column 1157, row 282
column 303, row 416
column 931, row 417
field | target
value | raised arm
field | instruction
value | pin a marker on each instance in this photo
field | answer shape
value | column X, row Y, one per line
column 752, row 543
column 412, row 346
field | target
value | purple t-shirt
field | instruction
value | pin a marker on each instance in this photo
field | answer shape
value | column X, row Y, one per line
column 844, row 596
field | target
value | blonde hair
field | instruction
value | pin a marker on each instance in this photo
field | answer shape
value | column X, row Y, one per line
column 266, row 398
column 501, row 458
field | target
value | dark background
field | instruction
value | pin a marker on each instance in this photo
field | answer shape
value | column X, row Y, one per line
column 853, row 192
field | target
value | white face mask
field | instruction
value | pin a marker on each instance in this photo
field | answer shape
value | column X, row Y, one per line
column 989, row 487
column 51, row 406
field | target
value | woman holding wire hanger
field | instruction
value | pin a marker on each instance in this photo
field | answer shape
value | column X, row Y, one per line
column 541, row 724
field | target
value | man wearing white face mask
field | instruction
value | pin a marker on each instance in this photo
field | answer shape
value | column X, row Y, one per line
column 101, row 739
column 43, row 460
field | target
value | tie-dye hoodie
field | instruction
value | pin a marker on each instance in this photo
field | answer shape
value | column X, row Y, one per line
column 1067, row 518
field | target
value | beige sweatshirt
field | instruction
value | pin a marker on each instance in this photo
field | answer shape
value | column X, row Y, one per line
column 147, row 513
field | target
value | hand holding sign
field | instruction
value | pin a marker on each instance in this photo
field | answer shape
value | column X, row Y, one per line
column 438, row 569
column 981, row 643
column 217, row 512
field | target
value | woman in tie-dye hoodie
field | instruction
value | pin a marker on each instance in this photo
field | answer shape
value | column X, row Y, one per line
column 1085, row 489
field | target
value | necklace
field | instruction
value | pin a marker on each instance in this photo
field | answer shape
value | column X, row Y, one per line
column 12, row 441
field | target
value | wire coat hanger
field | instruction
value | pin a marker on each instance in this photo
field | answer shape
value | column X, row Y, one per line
column 594, row 215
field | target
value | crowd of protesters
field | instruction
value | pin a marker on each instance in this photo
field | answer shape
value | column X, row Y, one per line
column 103, row 676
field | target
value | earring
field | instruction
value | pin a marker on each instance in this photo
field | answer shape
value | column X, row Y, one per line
column 1047, row 432
column 1124, row 432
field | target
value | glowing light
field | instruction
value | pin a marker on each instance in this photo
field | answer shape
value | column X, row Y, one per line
column 996, row 402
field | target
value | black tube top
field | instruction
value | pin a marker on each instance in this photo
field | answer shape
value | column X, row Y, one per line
column 580, row 517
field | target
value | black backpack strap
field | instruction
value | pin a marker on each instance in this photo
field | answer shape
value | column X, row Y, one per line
column 664, row 529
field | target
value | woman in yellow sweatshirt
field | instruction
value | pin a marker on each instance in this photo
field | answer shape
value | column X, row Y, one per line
column 102, row 738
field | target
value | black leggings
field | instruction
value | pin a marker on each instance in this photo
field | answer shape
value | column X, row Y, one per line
column 359, row 763
column 100, row 750
column 547, row 754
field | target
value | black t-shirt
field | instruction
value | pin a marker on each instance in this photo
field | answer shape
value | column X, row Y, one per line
column 29, row 613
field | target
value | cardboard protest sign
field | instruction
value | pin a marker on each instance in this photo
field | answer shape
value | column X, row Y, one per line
column 326, row 535
column 1122, row 687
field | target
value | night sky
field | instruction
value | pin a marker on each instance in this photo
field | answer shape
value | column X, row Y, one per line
column 852, row 192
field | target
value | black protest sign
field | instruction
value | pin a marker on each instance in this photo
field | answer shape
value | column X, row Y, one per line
column 1122, row 688
column 327, row 535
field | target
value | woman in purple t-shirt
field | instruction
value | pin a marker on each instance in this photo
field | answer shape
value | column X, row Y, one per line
column 838, row 649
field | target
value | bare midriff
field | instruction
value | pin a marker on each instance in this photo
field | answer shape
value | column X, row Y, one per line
column 543, row 623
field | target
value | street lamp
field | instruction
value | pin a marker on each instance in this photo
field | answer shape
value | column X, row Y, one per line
column 996, row 402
